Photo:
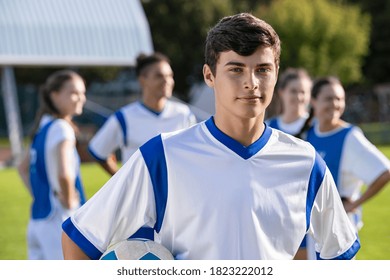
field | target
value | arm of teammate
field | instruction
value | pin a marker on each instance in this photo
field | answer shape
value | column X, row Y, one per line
column 109, row 164
column 66, row 175
column 70, row 250
column 371, row 191
column 105, row 142
column 366, row 162
column 24, row 172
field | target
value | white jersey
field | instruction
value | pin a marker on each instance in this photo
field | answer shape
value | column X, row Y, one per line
column 134, row 124
column 209, row 197
column 353, row 160
column 292, row 128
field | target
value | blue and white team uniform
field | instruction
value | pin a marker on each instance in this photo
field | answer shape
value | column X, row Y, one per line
column 134, row 124
column 47, row 213
column 352, row 160
column 209, row 197
column 292, row 128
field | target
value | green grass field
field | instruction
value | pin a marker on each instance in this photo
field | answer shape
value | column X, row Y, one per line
column 15, row 205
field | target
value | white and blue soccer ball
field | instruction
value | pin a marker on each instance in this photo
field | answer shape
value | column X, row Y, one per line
column 137, row 249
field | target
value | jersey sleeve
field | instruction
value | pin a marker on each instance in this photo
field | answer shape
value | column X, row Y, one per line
column 60, row 131
column 107, row 140
column 330, row 227
column 362, row 158
column 122, row 206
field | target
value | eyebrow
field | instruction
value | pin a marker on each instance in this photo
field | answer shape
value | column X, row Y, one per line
column 240, row 64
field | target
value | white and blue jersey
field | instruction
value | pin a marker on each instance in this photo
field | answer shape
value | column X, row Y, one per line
column 292, row 128
column 134, row 124
column 43, row 191
column 47, row 213
column 352, row 160
column 209, row 197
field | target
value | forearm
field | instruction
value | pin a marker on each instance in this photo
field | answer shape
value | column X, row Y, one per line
column 23, row 170
column 70, row 250
column 110, row 165
column 67, row 195
column 372, row 190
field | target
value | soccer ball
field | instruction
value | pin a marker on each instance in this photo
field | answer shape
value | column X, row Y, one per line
column 137, row 249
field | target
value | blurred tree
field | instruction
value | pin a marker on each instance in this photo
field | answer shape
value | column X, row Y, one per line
column 326, row 37
column 376, row 65
column 178, row 29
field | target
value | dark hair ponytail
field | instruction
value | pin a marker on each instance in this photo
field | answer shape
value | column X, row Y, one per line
column 306, row 125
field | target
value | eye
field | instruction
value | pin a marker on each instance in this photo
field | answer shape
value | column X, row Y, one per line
column 236, row 70
column 263, row 70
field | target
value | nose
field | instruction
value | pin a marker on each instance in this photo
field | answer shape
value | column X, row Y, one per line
column 335, row 103
column 82, row 97
column 251, row 82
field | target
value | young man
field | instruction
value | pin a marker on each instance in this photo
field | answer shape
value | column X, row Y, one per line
column 134, row 124
column 226, row 188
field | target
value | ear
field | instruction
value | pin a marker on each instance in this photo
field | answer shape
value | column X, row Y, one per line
column 208, row 76
column 141, row 80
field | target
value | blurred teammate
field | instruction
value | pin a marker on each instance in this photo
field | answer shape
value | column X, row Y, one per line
column 351, row 158
column 293, row 88
column 134, row 124
column 50, row 169
column 229, row 187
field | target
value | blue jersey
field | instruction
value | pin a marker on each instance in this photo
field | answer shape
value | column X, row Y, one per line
column 330, row 148
column 209, row 197
column 352, row 160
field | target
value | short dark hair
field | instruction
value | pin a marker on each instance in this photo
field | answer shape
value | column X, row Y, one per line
column 242, row 33
column 143, row 61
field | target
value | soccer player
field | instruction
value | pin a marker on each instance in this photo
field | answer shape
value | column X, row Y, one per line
column 351, row 158
column 226, row 188
column 134, row 124
column 50, row 169
column 293, row 89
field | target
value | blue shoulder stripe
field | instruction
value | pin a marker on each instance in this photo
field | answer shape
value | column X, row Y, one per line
column 88, row 248
column 315, row 181
column 154, row 156
column 122, row 122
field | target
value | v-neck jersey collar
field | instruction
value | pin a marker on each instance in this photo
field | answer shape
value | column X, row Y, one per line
column 235, row 146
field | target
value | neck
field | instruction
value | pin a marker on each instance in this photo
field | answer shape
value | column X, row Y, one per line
column 326, row 126
column 289, row 116
column 243, row 131
column 154, row 104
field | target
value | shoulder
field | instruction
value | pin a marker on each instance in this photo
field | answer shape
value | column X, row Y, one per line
column 131, row 107
column 184, row 136
column 61, row 129
column 179, row 106
column 358, row 145
column 61, row 124
column 289, row 140
column 356, row 136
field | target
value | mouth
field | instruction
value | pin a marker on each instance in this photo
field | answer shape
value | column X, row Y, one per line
column 250, row 99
